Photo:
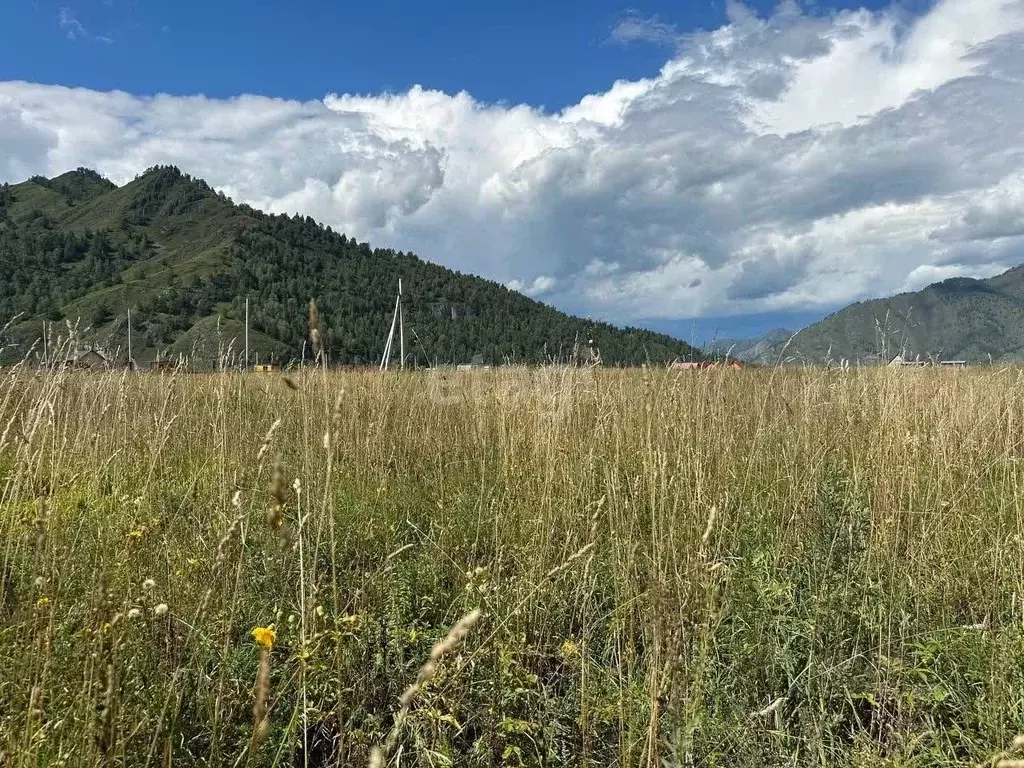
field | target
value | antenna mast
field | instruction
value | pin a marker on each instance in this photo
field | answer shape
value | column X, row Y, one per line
column 391, row 334
column 246, row 366
column 401, row 327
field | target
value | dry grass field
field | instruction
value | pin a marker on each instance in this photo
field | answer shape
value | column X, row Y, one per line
column 553, row 567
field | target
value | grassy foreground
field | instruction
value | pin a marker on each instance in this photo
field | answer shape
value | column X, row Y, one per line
column 717, row 569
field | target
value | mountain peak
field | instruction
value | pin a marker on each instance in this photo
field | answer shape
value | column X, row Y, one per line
column 82, row 174
column 77, row 186
column 185, row 259
column 156, row 171
column 960, row 318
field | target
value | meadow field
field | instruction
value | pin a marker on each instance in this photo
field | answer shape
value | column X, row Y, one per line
column 557, row 567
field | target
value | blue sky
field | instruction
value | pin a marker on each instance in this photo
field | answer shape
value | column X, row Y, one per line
column 646, row 162
column 542, row 53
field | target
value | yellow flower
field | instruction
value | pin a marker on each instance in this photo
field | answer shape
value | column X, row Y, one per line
column 264, row 637
column 136, row 534
column 42, row 602
column 569, row 649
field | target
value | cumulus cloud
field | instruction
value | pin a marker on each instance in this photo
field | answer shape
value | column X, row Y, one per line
column 541, row 284
column 926, row 274
column 997, row 215
column 785, row 163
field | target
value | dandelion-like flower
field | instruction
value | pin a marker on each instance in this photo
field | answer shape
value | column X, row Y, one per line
column 134, row 614
column 160, row 609
column 264, row 637
column 149, row 585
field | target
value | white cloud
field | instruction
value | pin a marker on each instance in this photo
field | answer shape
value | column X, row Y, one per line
column 787, row 163
column 926, row 274
column 634, row 28
column 70, row 24
column 996, row 215
column 541, row 284
column 68, row 21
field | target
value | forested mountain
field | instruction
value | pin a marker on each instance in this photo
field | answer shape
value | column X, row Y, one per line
column 182, row 257
column 956, row 319
column 762, row 349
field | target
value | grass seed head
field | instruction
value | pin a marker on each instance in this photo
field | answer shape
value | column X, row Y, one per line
column 706, row 537
column 278, row 497
column 314, row 328
column 260, row 710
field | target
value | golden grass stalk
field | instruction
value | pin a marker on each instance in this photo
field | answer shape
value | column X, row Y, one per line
column 567, row 563
column 441, row 649
column 260, row 717
column 315, row 338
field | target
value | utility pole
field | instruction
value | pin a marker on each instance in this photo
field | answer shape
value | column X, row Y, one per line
column 246, row 333
column 396, row 319
column 131, row 365
column 401, row 327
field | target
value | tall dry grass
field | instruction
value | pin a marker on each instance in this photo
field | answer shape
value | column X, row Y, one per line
column 715, row 568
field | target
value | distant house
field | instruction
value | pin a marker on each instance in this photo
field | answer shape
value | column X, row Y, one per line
column 264, row 368
column 900, row 362
column 476, row 364
column 86, row 360
column 690, row 365
column 953, row 363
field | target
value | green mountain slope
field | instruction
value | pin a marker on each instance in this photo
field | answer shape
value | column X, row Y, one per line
column 77, row 250
column 959, row 318
column 763, row 350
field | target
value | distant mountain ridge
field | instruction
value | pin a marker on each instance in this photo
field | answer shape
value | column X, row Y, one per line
column 956, row 319
column 183, row 258
column 762, row 349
